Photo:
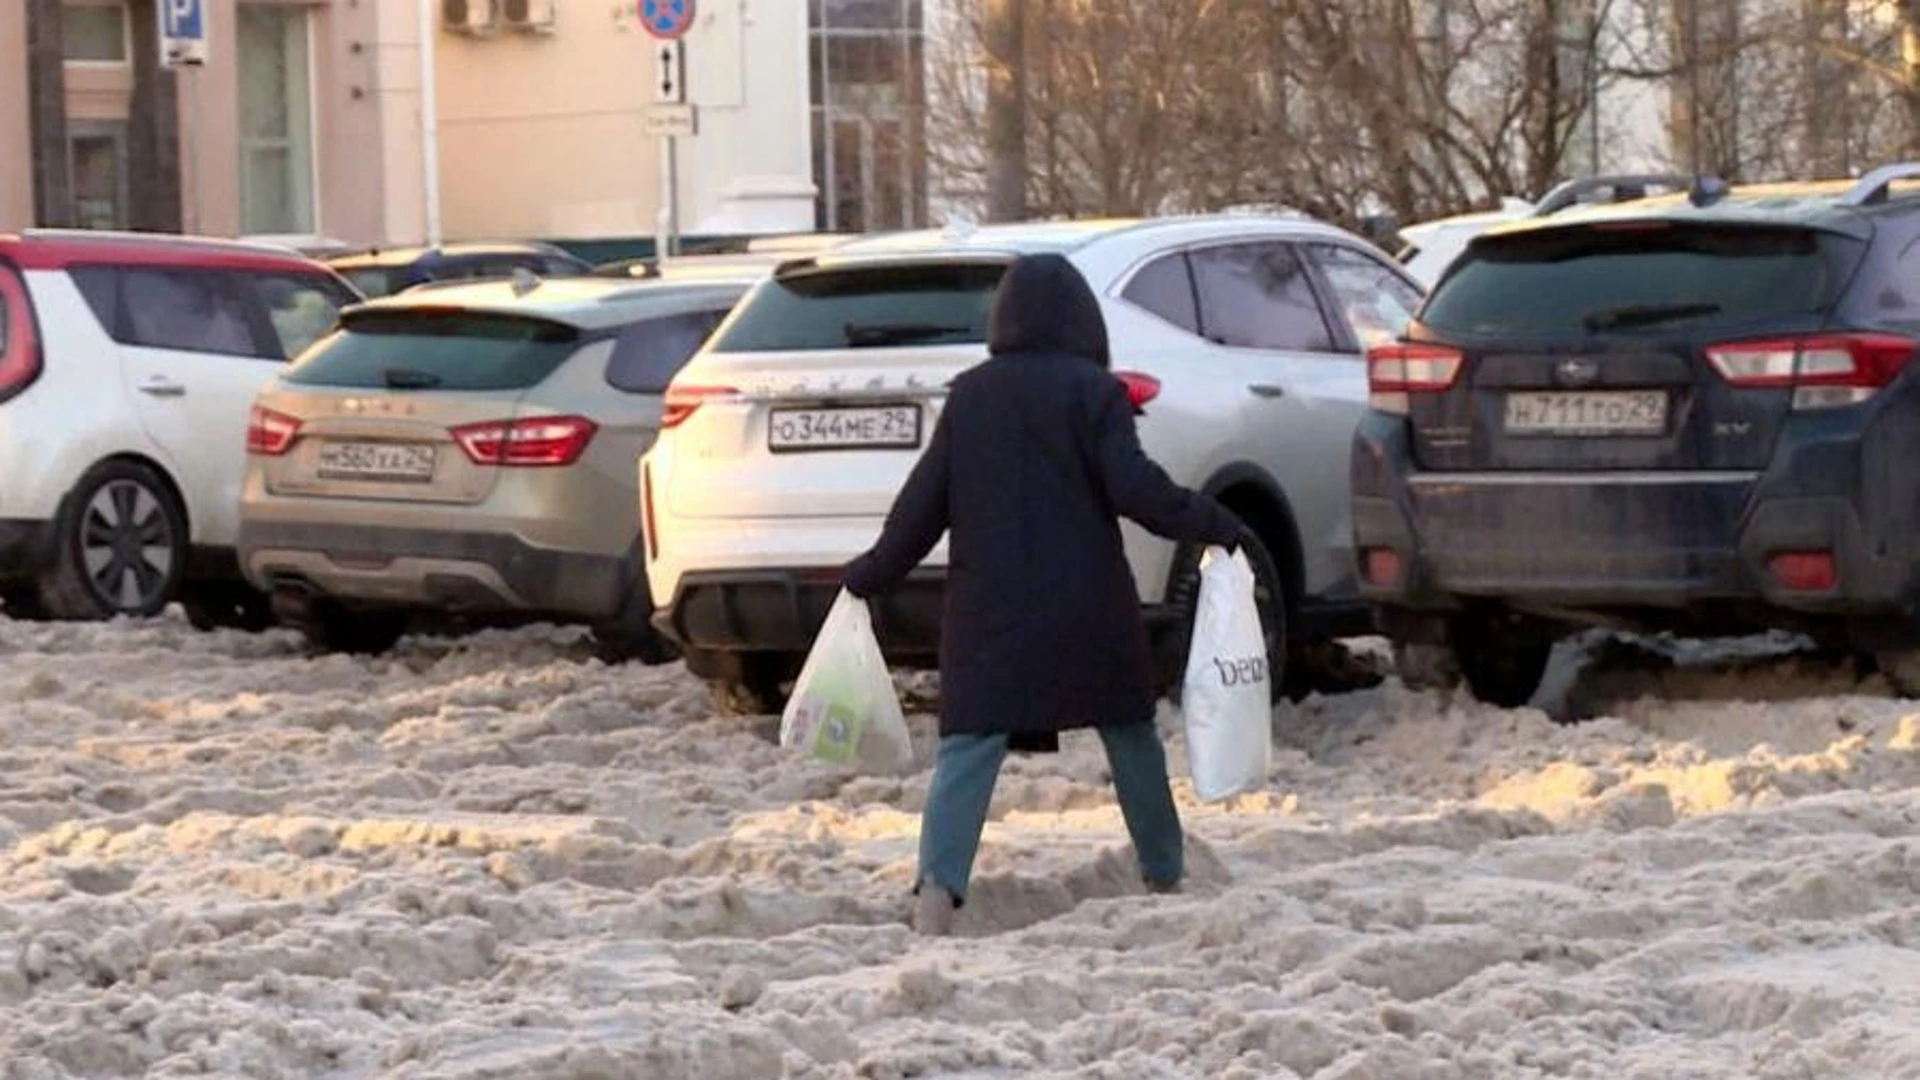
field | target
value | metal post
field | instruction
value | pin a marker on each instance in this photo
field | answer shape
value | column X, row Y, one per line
column 190, row 135
column 429, row 124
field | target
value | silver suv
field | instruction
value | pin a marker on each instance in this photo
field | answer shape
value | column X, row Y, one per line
column 470, row 451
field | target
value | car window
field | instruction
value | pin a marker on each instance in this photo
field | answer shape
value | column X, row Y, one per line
column 1165, row 287
column 186, row 310
column 649, row 354
column 1378, row 303
column 430, row 349
column 373, row 282
column 1575, row 281
column 301, row 307
column 867, row 306
column 1258, row 296
column 555, row 266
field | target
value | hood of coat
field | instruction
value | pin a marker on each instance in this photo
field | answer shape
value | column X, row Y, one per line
column 1043, row 305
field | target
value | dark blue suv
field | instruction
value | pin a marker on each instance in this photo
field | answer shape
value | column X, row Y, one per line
column 1690, row 414
column 395, row 270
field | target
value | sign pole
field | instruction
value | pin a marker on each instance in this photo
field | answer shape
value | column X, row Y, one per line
column 183, row 49
column 670, row 116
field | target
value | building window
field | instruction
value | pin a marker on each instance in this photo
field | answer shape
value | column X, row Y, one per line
column 95, row 32
column 869, row 109
column 276, row 119
column 97, row 155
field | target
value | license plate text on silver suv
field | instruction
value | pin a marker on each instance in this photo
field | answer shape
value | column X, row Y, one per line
column 1592, row 412
column 376, row 461
column 890, row 427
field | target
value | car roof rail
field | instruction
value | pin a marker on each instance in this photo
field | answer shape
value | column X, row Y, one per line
column 1872, row 189
column 1568, row 193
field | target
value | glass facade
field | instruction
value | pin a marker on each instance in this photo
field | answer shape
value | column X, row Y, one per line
column 276, row 119
column 868, row 89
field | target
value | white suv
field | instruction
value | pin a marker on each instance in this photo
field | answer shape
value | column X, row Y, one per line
column 785, row 439
column 128, row 366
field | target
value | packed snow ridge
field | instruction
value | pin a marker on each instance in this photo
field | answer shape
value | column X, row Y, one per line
column 495, row 857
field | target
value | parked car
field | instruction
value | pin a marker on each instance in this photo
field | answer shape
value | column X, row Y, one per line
column 1429, row 248
column 385, row 273
column 470, row 451
column 1693, row 414
column 1239, row 337
column 127, row 366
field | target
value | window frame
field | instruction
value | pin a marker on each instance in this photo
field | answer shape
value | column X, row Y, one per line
column 126, row 36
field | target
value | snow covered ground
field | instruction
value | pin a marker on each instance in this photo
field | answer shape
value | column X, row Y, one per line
column 497, row 858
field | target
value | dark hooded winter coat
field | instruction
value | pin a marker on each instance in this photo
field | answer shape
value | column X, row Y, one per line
column 1030, row 467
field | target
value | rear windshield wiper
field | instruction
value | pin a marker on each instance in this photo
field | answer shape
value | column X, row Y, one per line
column 406, row 379
column 872, row 335
column 1621, row 318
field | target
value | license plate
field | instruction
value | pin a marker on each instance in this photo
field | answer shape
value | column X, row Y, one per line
column 1590, row 412
column 376, row 461
column 891, row 427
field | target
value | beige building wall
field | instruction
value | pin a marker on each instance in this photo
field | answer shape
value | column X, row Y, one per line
column 16, row 130
column 544, row 134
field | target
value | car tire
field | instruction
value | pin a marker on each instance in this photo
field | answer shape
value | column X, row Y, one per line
column 616, row 645
column 330, row 628
column 1423, row 666
column 120, row 546
column 747, row 697
column 227, row 606
column 1901, row 669
column 1270, row 596
column 1502, row 663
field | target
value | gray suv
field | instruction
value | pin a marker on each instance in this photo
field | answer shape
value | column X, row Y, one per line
column 470, row 451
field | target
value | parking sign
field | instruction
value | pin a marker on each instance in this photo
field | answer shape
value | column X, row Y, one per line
column 183, row 32
column 666, row 19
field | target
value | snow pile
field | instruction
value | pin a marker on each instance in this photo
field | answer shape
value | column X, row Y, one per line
column 498, row 858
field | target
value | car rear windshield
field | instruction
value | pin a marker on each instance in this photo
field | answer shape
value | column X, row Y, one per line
column 374, row 282
column 866, row 307
column 436, row 350
column 1640, row 277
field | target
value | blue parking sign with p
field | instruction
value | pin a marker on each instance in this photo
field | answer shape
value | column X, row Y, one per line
column 183, row 32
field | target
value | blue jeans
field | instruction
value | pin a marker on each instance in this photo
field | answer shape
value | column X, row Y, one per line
column 964, row 772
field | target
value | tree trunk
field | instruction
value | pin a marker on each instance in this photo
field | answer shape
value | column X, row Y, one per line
column 1006, row 110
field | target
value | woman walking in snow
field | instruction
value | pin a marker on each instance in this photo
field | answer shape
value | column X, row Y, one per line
column 1032, row 463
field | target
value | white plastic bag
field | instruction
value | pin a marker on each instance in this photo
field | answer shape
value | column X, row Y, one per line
column 844, row 709
column 1227, row 695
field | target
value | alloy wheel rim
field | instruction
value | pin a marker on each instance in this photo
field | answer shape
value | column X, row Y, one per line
column 126, row 545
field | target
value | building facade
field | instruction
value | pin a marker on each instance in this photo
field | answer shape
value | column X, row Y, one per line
column 308, row 118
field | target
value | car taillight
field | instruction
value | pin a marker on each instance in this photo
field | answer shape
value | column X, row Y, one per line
column 20, row 357
column 1824, row 371
column 270, row 433
column 1140, row 387
column 535, row 441
column 1399, row 369
column 646, row 510
column 681, row 401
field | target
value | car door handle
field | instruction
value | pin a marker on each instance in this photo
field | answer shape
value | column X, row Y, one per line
column 1267, row 390
column 162, row 387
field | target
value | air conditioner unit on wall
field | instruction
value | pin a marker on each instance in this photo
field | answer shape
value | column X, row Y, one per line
column 533, row 16
column 474, row 17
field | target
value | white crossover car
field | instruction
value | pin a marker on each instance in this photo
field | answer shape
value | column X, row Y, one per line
column 1240, row 339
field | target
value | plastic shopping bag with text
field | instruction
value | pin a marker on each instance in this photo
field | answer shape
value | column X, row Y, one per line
column 844, row 708
column 1227, row 696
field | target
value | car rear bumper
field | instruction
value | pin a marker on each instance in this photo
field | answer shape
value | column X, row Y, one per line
column 1641, row 540
column 780, row 611
column 441, row 570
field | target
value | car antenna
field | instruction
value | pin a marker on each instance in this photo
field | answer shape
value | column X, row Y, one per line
column 524, row 281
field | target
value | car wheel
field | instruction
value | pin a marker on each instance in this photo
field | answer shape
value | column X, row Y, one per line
column 747, row 697
column 1269, row 597
column 121, row 546
column 227, row 606
column 331, row 628
column 1502, row 663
